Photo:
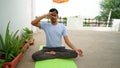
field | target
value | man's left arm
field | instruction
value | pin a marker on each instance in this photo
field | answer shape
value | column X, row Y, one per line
column 67, row 41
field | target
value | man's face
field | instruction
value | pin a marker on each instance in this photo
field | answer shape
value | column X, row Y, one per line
column 54, row 16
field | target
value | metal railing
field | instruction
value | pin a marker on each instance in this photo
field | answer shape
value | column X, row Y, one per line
column 96, row 23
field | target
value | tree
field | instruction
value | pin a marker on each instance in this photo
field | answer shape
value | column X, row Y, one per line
column 107, row 5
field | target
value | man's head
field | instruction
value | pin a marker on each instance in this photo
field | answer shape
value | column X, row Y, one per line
column 53, row 10
column 54, row 15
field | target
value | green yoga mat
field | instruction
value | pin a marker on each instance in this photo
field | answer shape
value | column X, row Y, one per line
column 55, row 63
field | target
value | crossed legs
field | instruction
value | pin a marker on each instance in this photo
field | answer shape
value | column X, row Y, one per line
column 51, row 53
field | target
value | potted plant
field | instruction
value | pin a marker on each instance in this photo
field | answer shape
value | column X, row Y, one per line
column 10, row 48
column 1, row 62
column 28, row 36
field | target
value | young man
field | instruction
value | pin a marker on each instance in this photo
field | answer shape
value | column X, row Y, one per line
column 54, row 32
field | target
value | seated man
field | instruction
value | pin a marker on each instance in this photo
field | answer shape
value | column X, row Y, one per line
column 54, row 32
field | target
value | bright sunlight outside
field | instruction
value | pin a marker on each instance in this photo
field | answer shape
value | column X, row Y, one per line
column 87, row 8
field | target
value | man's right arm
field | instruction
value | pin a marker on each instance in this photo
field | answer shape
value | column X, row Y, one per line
column 37, row 20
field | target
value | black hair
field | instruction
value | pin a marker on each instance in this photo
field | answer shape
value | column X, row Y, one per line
column 53, row 9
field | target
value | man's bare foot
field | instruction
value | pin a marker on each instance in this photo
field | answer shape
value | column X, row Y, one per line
column 51, row 52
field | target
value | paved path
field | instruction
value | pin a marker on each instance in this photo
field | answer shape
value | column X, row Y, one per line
column 101, row 49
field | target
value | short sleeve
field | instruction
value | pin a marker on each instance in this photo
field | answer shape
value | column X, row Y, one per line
column 42, row 24
column 64, row 33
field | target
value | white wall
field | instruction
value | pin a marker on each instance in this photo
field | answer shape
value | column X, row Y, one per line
column 74, row 23
column 77, row 24
column 116, row 24
column 18, row 12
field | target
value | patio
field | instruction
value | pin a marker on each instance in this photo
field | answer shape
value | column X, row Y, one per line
column 101, row 49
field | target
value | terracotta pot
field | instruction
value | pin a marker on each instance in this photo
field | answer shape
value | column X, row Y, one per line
column 25, row 47
column 31, row 41
column 13, row 63
column 2, row 56
column 5, row 66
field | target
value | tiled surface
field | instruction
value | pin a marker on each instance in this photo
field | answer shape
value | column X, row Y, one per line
column 101, row 49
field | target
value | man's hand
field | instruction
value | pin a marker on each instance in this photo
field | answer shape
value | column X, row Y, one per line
column 51, row 14
column 79, row 52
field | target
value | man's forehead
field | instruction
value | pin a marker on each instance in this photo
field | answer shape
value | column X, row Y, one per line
column 55, row 14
